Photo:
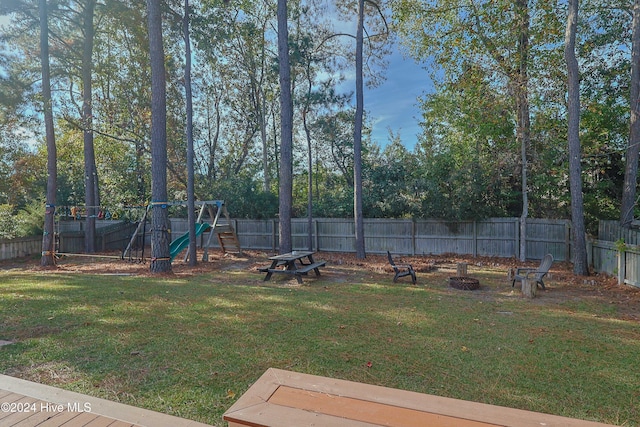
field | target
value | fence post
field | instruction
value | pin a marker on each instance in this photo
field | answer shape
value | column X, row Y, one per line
column 273, row 235
column 235, row 230
column 567, row 240
column 475, row 238
column 516, row 224
column 413, row 236
column 622, row 264
column 315, row 233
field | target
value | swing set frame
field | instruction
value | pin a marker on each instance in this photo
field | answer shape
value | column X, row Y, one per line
column 135, row 249
column 206, row 206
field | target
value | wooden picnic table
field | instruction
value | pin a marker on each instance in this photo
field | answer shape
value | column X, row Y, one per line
column 295, row 263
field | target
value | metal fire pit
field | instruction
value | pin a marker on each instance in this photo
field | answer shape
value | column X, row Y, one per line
column 464, row 283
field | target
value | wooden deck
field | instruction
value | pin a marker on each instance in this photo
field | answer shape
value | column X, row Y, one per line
column 24, row 403
column 288, row 398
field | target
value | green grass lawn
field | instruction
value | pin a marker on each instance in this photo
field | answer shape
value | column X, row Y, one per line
column 191, row 344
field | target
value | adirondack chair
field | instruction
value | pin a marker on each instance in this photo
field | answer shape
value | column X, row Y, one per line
column 401, row 270
column 534, row 273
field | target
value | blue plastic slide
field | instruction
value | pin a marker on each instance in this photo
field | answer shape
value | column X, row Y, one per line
column 183, row 241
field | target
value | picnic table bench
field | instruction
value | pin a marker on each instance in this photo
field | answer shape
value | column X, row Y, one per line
column 296, row 263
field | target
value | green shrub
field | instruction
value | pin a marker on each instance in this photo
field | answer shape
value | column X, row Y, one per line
column 7, row 222
column 24, row 222
column 30, row 219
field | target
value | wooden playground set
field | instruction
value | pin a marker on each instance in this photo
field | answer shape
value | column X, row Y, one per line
column 213, row 220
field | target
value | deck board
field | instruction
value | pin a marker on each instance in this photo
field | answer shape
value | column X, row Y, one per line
column 39, row 405
column 310, row 400
column 100, row 422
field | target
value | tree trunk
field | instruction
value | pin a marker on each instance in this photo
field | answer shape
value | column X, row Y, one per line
column 90, row 170
column 307, row 133
column 529, row 288
column 286, row 131
column 141, row 187
column 633, row 148
column 523, row 125
column 48, row 237
column 191, row 215
column 575, row 171
column 265, row 142
column 357, row 138
column 160, row 257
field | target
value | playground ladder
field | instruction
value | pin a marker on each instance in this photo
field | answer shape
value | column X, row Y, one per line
column 227, row 237
column 225, row 232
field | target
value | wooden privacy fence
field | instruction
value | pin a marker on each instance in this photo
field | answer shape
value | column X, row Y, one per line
column 23, row 246
column 616, row 252
column 499, row 237
column 110, row 235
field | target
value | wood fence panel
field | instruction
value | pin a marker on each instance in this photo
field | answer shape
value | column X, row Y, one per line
column 441, row 237
column 112, row 236
column 497, row 237
column 257, row 234
column 611, row 231
column 604, row 257
column 493, row 237
column 617, row 259
column 300, row 234
column 23, row 246
column 336, row 235
column 71, row 242
column 68, row 226
column 607, row 231
column 548, row 236
column 394, row 235
column 632, row 266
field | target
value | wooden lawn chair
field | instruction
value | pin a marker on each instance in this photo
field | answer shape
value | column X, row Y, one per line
column 401, row 270
column 534, row 273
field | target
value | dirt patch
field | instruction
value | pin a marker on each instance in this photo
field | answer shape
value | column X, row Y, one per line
column 562, row 284
column 46, row 373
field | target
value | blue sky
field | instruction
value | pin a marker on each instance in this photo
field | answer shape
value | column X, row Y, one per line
column 394, row 104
